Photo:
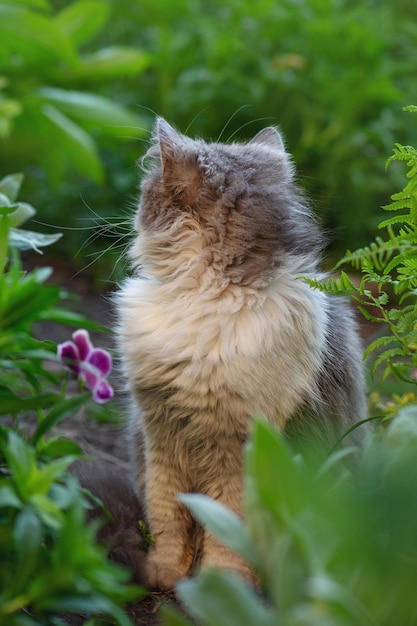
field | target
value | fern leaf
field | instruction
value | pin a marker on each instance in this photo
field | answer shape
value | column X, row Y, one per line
column 333, row 286
column 379, row 343
column 386, row 357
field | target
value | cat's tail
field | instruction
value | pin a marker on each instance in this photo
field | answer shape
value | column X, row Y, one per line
column 123, row 529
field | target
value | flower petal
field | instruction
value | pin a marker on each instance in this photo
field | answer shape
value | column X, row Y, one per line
column 101, row 359
column 83, row 342
column 69, row 355
column 103, row 392
column 90, row 375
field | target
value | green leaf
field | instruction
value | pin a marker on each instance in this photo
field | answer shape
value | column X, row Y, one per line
column 44, row 477
column 39, row 4
column 21, row 460
column 22, row 212
column 30, row 240
column 77, row 144
column 33, row 35
column 27, row 535
column 278, row 479
column 8, row 497
column 81, row 20
column 57, row 446
column 11, row 404
column 10, row 186
column 224, row 524
column 222, row 599
column 112, row 62
column 58, row 413
column 64, row 316
column 112, row 118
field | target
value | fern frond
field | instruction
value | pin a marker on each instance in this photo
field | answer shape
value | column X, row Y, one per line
column 379, row 343
column 334, row 286
column 378, row 253
column 369, row 316
column 386, row 357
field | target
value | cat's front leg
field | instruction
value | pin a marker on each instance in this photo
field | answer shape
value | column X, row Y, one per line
column 171, row 525
column 228, row 490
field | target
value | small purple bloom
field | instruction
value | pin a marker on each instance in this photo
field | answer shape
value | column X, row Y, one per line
column 91, row 365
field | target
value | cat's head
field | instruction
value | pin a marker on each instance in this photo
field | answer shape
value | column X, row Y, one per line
column 239, row 198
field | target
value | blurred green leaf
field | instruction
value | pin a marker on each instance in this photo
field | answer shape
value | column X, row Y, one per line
column 8, row 497
column 11, row 404
column 83, row 19
column 58, row 446
column 10, row 186
column 97, row 110
column 21, row 460
column 34, row 36
column 29, row 240
column 27, row 535
column 64, row 316
column 112, row 62
column 274, row 471
column 61, row 411
column 22, row 212
column 79, row 147
column 222, row 599
column 39, row 4
column 224, row 524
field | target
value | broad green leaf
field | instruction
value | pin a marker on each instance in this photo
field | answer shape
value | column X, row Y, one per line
column 47, row 510
column 57, row 446
column 21, row 460
column 274, row 472
column 6, row 206
column 224, row 524
column 10, row 186
column 34, row 35
column 11, row 404
column 113, row 118
column 112, row 62
column 8, row 497
column 22, row 212
column 81, row 20
column 27, row 535
column 30, row 240
column 64, row 316
column 78, row 145
column 4, row 241
column 39, row 4
column 223, row 599
column 44, row 477
column 323, row 589
column 58, row 413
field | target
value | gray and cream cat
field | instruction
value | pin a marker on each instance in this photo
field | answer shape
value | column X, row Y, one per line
column 216, row 326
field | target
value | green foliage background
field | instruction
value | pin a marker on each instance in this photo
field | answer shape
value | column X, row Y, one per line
column 78, row 96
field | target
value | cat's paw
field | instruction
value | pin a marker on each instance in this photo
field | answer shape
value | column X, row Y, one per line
column 162, row 575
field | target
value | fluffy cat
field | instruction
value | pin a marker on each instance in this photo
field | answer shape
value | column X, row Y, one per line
column 216, row 326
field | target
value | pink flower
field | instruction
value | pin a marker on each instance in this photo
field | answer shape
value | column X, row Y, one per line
column 91, row 365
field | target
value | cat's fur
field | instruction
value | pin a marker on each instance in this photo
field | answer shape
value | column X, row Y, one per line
column 216, row 326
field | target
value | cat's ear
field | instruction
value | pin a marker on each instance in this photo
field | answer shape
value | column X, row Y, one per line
column 269, row 137
column 169, row 141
